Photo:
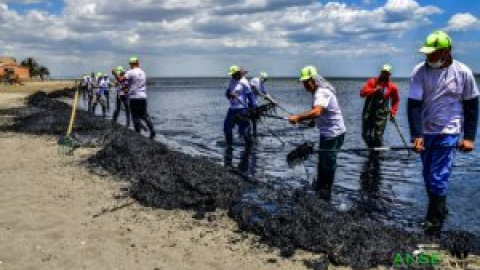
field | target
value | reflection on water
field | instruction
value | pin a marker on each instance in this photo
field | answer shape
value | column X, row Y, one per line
column 246, row 163
column 190, row 112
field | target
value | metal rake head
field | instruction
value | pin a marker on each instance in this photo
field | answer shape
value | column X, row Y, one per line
column 300, row 154
column 67, row 146
column 266, row 109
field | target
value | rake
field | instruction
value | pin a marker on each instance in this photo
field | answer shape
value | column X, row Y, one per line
column 305, row 150
column 66, row 143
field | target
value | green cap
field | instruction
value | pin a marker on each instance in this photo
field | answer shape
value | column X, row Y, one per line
column 119, row 69
column 387, row 68
column 235, row 69
column 99, row 74
column 435, row 41
column 308, row 72
column 263, row 75
column 133, row 60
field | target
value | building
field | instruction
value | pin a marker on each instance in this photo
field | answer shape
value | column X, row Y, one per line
column 8, row 65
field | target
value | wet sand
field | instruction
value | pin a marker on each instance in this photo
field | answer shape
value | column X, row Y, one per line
column 56, row 214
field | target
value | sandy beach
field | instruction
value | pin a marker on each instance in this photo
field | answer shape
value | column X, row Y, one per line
column 32, row 87
column 56, row 214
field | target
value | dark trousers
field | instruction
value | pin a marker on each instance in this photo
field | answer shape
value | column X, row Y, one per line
column 122, row 99
column 373, row 130
column 374, row 120
column 99, row 98
column 237, row 117
column 90, row 99
column 138, row 108
column 254, row 127
column 107, row 96
column 327, row 162
column 84, row 91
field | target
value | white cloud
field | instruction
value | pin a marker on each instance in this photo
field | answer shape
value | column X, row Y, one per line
column 463, row 22
column 102, row 32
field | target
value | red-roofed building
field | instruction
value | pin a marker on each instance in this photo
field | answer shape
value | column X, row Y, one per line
column 8, row 65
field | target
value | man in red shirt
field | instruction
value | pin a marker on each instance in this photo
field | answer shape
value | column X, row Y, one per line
column 378, row 93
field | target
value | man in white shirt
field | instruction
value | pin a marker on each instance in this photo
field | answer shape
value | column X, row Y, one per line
column 137, row 93
column 442, row 102
column 242, row 103
column 329, row 121
column 85, row 81
column 257, row 84
column 92, row 84
column 101, row 88
column 121, row 96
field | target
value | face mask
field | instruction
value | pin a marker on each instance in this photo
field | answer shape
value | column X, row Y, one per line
column 437, row 64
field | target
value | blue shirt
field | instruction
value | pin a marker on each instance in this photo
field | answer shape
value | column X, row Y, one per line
column 244, row 95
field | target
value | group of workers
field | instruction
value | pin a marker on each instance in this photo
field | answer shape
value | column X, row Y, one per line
column 130, row 90
column 442, row 103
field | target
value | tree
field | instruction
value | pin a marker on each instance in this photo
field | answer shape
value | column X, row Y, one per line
column 32, row 66
column 43, row 71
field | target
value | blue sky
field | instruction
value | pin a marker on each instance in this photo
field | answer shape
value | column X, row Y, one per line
column 205, row 37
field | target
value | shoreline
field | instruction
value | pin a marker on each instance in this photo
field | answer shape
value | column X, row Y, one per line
column 167, row 191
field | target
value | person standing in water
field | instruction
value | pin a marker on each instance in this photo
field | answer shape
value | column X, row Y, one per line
column 121, row 96
column 257, row 84
column 329, row 121
column 242, row 105
column 102, row 86
column 378, row 93
column 136, row 79
column 442, row 102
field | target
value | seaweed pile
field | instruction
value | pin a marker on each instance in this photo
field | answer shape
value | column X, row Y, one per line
column 164, row 178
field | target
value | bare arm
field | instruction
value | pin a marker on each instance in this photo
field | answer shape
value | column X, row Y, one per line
column 313, row 113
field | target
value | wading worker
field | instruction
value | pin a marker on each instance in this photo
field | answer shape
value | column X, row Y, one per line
column 137, row 95
column 378, row 93
column 257, row 84
column 102, row 86
column 329, row 121
column 242, row 103
column 442, row 102
column 121, row 97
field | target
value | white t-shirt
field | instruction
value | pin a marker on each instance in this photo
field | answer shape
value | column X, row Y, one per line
column 258, row 84
column 85, row 81
column 442, row 92
column 137, row 83
column 102, row 86
column 330, row 123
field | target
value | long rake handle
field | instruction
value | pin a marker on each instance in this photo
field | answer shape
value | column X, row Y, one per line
column 400, row 133
column 72, row 115
column 381, row 149
column 278, row 105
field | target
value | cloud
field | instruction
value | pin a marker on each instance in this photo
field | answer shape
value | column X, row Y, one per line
column 102, row 32
column 463, row 22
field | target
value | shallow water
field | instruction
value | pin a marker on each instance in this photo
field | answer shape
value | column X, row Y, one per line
column 190, row 112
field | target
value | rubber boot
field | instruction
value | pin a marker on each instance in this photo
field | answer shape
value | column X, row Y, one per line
column 436, row 214
column 149, row 123
column 324, row 183
column 229, row 139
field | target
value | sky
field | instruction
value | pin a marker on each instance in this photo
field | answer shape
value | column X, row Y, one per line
column 189, row 38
